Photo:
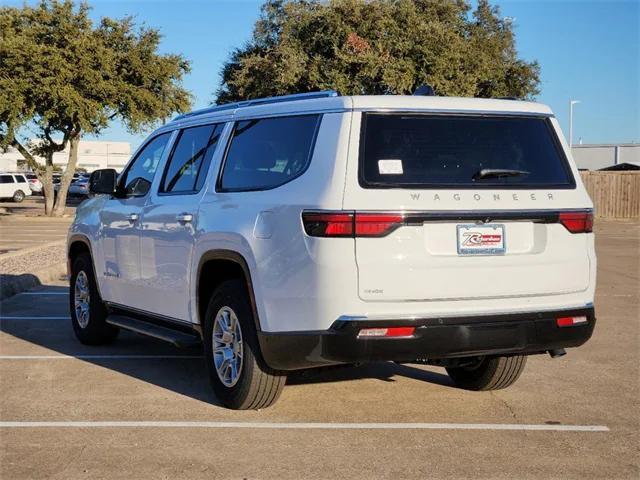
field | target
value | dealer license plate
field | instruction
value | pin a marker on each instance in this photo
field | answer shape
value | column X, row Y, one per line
column 485, row 239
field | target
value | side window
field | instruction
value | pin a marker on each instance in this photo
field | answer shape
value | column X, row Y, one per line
column 6, row 179
column 266, row 153
column 21, row 179
column 136, row 180
column 187, row 168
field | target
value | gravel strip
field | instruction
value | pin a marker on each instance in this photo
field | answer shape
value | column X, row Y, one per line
column 33, row 259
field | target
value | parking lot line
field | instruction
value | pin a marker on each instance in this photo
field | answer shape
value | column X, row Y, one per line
column 94, row 357
column 307, row 426
column 43, row 293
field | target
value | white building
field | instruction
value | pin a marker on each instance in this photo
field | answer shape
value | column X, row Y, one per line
column 92, row 155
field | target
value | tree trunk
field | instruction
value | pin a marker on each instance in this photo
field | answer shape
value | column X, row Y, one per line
column 67, row 176
column 47, row 186
column 46, row 178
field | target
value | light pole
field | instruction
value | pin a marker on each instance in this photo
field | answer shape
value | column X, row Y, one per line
column 571, row 104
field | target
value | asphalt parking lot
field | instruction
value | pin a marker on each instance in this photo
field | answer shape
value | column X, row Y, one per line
column 25, row 230
column 142, row 409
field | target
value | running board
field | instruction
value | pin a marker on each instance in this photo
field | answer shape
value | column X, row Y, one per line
column 176, row 337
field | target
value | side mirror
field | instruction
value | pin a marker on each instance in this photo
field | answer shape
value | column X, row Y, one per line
column 103, row 181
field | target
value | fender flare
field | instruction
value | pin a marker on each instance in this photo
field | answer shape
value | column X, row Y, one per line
column 78, row 237
column 235, row 257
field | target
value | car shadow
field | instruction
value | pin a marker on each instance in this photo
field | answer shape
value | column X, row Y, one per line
column 384, row 371
column 179, row 370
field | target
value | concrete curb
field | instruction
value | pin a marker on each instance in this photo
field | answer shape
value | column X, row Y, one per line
column 11, row 285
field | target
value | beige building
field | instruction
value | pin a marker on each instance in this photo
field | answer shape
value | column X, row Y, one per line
column 92, row 155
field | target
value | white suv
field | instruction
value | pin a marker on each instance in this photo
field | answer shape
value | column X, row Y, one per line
column 309, row 230
column 14, row 186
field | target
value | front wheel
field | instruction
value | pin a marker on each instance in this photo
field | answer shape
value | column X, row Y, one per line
column 88, row 312
column 18, row 196
column 238, row 376
column 488, row 373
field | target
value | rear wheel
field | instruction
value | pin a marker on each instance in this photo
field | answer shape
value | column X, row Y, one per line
column 488, row 373
column 239, row 377
column 88, row 312
column 18, row 196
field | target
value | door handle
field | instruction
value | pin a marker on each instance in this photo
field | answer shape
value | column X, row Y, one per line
column 133, row 217
column 184, row 217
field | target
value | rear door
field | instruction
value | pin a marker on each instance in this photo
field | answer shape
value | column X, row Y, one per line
column 463, row 206
column 23, row 184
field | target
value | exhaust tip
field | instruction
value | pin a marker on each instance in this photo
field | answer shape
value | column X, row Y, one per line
column 558, row 352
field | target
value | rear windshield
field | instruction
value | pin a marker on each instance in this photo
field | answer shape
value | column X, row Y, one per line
column 460, row 151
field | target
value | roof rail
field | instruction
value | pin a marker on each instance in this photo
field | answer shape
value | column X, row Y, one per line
column 259, row 101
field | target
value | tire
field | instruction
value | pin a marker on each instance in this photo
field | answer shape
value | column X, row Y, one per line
column 91, row 327
column 241, row 380
column 490, row 373
column 18, row 196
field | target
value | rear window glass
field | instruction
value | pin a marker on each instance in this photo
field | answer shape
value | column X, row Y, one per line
column 441, row 151
column 269, row 152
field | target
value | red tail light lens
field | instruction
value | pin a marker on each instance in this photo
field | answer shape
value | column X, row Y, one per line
column 350, row 224
column 376, row 224
column 577, row 222
column 328, row 224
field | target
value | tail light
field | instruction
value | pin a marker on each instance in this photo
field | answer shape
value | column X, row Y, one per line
column 318, row 224
column 577, row 222
column 350, row 224
column 377, row 224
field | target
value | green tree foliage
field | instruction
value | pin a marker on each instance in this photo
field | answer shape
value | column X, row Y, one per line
column 61, row 77
column 379, row 47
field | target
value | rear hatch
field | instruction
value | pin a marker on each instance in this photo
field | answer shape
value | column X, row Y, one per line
column 465, row 206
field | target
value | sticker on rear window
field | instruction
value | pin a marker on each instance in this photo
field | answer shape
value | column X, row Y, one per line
column 390, row 167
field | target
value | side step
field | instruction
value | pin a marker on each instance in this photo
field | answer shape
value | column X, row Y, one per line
column 176, row 337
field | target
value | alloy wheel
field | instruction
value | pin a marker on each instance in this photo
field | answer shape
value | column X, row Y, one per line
column 82, row 299
column 227, row 346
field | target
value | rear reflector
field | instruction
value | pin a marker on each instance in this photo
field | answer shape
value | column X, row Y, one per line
column 577, row 222
column 350, row 224
column 387, row 332
column 571, row 321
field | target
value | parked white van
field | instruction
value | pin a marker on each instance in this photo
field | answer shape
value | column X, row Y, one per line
column 14, row 186
column 309, row 230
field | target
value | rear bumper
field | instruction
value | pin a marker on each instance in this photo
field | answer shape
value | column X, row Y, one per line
column 434, row 338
